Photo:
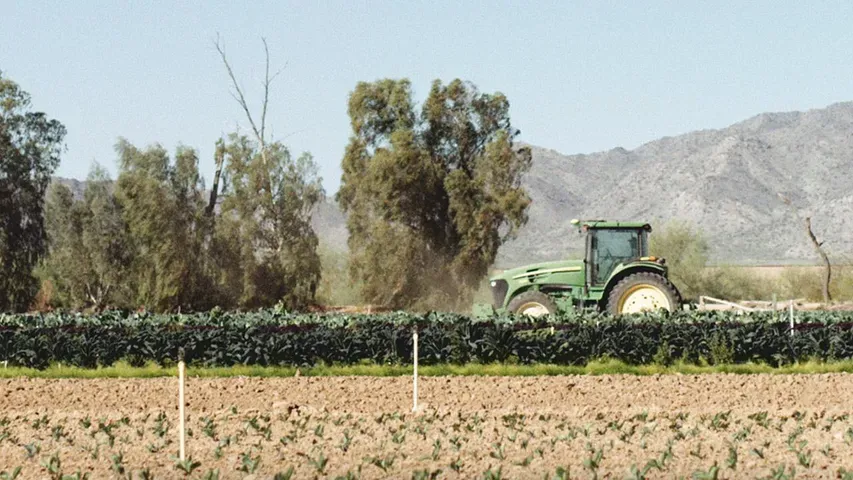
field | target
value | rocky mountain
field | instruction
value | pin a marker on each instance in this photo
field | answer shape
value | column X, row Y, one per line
column 726, row 182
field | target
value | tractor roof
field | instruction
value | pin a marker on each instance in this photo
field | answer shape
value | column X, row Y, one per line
column 601, row 224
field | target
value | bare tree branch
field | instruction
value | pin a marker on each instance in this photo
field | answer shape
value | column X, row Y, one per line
column 827, row 297
column 241, row 99
column 266, row 87
column 818, row 246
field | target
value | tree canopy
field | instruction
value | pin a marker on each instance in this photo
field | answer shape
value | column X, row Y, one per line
column 30, row 146
column 430, row 195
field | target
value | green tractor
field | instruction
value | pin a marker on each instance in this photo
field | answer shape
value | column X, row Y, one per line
column 617, row 275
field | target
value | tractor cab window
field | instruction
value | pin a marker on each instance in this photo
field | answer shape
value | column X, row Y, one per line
column 610, row 247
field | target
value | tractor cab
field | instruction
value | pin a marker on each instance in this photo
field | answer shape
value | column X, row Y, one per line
column 616, row 274
column 609, row 244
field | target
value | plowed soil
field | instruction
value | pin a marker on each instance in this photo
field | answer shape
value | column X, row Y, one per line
column 744, row 426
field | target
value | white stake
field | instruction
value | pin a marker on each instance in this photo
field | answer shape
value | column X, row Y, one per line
column 791, row 315
column 181, row 426
column 415, row 374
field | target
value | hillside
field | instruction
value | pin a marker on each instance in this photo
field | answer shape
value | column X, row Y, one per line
column 726, row 181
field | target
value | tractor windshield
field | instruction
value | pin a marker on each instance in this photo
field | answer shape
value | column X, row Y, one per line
column 612, row 246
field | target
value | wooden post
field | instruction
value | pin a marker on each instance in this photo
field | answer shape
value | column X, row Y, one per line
column 415, row 371
column 181, row 422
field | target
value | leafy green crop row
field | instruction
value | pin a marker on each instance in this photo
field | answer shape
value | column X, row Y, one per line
column 277, row 338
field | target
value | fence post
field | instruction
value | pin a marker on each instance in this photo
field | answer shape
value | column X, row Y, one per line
column 415, row 371
column 791, row 315
column 181, row 423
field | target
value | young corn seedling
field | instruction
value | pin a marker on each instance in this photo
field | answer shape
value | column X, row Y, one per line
column 561, row 473
column 188, row 465
column 289, row 438
column 711, row 474
column 211, row 475
column 698, row 452
column 498, row 452
column 653, row 463
column 593, row 461
column 436, row 450
column 75, row 476
column 161, row 425
column 346, row 441
column 32, row 449
column 223, row 442
column 760, row 419
column 426, row 474
column 39, row 422
column 490, row 474
column 842, row 473
column 742, row 434
column 11, row 475
column 208, row 428
column 52, row 465
column 144, row 474
column 805, row 458
column 667, row 454
column 94, row 453
column 720, row 421
column 781, row 473
column 384, row 463
column 285, row 475
column 320, row 462
column 117, row 465
column 249, row 464
column 731, row 460
column 635, row 473
column 350, row 475
column 626, row 435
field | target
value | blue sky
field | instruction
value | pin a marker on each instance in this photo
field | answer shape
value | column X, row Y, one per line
column 580, row 76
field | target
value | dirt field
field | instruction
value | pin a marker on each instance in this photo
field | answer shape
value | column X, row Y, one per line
column 580, row 427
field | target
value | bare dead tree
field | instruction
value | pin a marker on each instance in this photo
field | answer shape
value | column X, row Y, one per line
column 818, row 247
column 258, row 130
column 219, row 160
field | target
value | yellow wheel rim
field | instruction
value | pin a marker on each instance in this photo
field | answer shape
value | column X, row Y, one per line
column 643, row 298
column 533, row 309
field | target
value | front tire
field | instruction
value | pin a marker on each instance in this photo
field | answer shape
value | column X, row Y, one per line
column 532, row 304
column 643, row 292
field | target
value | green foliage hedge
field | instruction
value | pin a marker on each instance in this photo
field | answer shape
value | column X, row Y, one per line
column 276, row 338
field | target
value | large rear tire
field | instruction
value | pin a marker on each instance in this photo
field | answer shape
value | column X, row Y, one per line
column 642, row 292
column 532, row 304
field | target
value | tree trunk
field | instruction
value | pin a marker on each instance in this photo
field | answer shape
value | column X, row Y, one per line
column 828, row 267
column 214, row 191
